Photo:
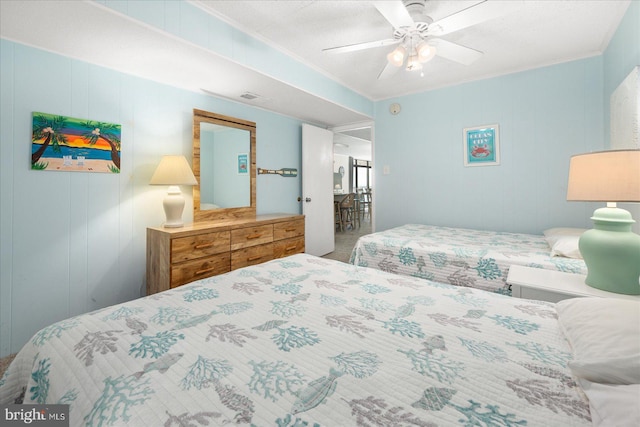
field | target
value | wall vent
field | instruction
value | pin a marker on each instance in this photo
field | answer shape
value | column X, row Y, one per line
column 249, row 95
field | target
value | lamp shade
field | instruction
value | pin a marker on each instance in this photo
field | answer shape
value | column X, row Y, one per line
column 396, row 57
column 173, row 170
column 605, row 176
column 425, row 51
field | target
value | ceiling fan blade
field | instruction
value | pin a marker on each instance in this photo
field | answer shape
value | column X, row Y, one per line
column 388, row 71
column 361, row 46
column 395, row 13
column 455, row 52
column 473, row 15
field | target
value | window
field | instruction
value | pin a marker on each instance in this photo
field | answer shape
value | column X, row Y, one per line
column 361, row 173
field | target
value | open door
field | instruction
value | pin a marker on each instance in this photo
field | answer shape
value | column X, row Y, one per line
column 317, row 189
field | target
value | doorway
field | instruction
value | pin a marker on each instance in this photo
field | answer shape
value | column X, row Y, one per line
column 353, row 173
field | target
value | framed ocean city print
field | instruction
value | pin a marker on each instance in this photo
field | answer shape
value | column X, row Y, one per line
column 243, row 164
column 482, row 145
column 67, row 144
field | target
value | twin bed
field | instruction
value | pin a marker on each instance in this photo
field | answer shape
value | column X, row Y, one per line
column 463, row 257
column 306, row 341
column 303, row 341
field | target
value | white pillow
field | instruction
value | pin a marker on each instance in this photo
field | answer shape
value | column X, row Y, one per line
column 564, row 241
column 563, row 231
column 614, row 370
column 604, row 334
column 613, row 405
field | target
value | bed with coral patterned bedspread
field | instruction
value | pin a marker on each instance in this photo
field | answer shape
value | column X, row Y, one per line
column 306, row 340
column 458, row 256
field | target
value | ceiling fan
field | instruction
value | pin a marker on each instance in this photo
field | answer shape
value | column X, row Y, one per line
column 417, row 35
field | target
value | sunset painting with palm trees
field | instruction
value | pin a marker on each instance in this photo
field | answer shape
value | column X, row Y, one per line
column 62, row 143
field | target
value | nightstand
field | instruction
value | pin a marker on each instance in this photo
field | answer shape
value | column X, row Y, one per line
column 553, row 286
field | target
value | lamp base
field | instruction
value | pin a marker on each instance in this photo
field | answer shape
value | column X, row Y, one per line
column 173, row 206
column 612, row 252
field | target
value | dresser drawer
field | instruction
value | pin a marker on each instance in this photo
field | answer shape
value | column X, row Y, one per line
column 192, row 247
column 288, row 247
column 287, row 230
column 251, row 255
column 176, row 256
column 199, row 269
column 251, row 236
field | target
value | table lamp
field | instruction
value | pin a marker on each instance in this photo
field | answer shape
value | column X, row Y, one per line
column 610, row 250
column 173, row 171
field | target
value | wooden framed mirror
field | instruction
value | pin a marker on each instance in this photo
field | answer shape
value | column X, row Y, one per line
column 224, row 163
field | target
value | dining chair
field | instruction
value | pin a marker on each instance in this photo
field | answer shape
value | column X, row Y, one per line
column 365, row 204
column 337, row 216
column 347, row 211
column 356, row 209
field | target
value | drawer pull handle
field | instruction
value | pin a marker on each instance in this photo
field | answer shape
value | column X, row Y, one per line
column 206, row 270
column 254, row 236
column 253, row 258
column 204, row 245
column 290, row 248
column 289, row 230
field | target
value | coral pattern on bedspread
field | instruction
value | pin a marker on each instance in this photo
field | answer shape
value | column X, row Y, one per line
column 306, row 341
column 458, row 256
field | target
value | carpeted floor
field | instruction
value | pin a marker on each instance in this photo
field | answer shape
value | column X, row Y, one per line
column 346, row 240
column 4, row 363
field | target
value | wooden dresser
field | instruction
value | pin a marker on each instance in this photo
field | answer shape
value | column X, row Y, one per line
column 176, row 256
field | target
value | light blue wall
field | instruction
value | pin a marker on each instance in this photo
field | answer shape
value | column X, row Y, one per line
column 545, row 116
column 207, row 175
column 74, row 242
column 230, row 188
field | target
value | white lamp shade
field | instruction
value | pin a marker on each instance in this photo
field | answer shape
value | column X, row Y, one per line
column 173, row 170
column 426, row 52
column 605, row 176
column 396, row 57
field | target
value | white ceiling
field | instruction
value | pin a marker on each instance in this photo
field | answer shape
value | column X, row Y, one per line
column 131, row 47
column 535, row 33
column 538, row 33
column 356, row 143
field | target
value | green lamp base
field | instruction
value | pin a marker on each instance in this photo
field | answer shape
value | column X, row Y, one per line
column 612, row 252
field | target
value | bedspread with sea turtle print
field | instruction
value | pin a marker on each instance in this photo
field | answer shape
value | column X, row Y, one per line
column 306, row 341
column 458, row 256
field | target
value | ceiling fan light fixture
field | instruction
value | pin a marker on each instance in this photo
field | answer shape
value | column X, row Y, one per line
column 413, row 63
column 396, row 57
column 425, row 51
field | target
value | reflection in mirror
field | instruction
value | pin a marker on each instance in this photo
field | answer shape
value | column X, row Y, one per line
column 224, row 173
column 224, row 163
